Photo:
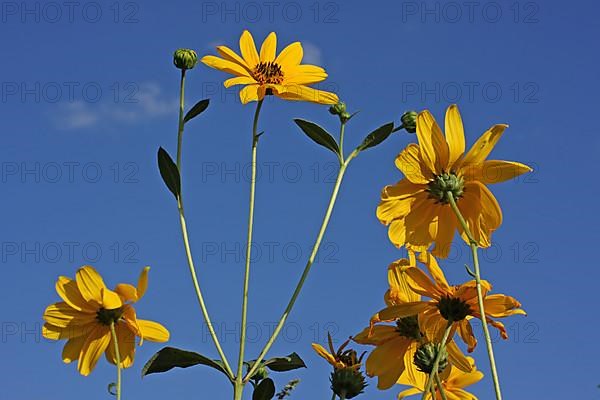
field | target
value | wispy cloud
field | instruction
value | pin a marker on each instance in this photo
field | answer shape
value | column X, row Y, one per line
column 146, row 102
column 312, row 54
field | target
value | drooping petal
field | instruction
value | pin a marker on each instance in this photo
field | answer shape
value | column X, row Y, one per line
column 307, row 93
column 377, row 335
column 468, row 379
column 433, row 325
column 455, row 134
column 422, row 223
column 153, row 331
column 126, row 344
column 400, row 291
column 249, row 93
column 90, row 284
column 239, row 80
column 130, row 319
column 484, row 145
column 320, row 350
column 269, row 48
column 499, row 305
column 110, row 299
column 465, row 330
column 393, row 313
column 409, row 392
column 434, row 270
column 420, row 283
column 432, row 144
column 290, row 57
column 248, row 49
column 410, row 163
column 457, row 358
column 142, row 284
column 225, row 65
column 447, row 224
column 63, row 315
column 53, row 332
column 72, row 349
column 95, row 344
column 127, row 292
column 387, row 362
column 68, row 290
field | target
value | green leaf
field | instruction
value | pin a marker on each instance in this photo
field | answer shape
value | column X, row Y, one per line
column 282, row 364
column 265, row 390
column 170, row 357
column 198, row 109
column 169, row 172
column 377, row 136
column 318, row 134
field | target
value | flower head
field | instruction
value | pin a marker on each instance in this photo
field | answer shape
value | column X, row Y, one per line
column 86, row 314
column 266, row 73
column 453, row 379
column 417, row 208
column 396, row 345
column 448, row 304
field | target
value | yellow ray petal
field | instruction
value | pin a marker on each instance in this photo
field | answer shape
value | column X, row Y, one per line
column 291, row 56
column 95, row 344
column 110, row 299
column 387, row 362
column 67, row 289
column 400, row 291
column 432, row 144
column 225, row 65
column 377, row 335
column 435, row 270
column 269, row 48
column 499, row 305
column 90, row 284
column 250, row 93
column 153, row 331
column 455, row 135
column 126, row 343
column 484, row 145
column 72, row 349
column 248, row 49
column 447, row 225
column 142, row 284
column 63, row 315
column 53, row 332
column 127, row 292
column 393, row 313
column 231, row 55
column 410, row 163
column 496, row 171
column 239, row 80
column 306, row 93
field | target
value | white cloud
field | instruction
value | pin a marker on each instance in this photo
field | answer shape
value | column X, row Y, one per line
column 138, row 103
column 312, row 54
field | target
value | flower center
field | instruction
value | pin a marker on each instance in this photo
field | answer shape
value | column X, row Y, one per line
column 453, row 308
column 409, row 327
column 107, row 317
column 440, row 185
column 268, row 72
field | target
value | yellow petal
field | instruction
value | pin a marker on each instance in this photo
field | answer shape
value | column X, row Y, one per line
column 447, row 225
column 393, row 313
column 239, row 80
column 249, row 93
column 130, row 319
column 231, row 55
column 290, row 57
column 432, row 144
column 499, row 305
column 63, row 315
column 90, row 284
column 434, row 270
column 496, row 171
column 72, row 349
column 269, row 48
column 387, row 362
column 377, row 335
column 153, row 331
column 455, row 135
column 127, row 292
column 110, row 299
column 67, row 289
column 320, row 350
column 484, row 145
column 457, row 358
column 410, row 392
column 126, row 344
column 142, row 285
column 400, row 291
column 225, row 65
column 409, row 161
column 306, row 93
column 53, row 332
column 465, row 330
column 421, row 284
column 305, row 74
column 248, row 49
column 95, row 344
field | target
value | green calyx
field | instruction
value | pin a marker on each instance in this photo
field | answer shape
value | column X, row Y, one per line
column 108, row 317
column 441, row 185
column 425, row 358
column 409, row 121
column 185, row 58
column 409, row 327
column 348, row 382
column 453, row 308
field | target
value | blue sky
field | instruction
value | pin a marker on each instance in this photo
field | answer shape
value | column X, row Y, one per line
column 89, row 93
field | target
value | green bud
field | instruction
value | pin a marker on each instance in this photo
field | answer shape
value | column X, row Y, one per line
column 185, row 58
column 409, row 121
column 425, row 358
column 338, row 108
column 347, row 382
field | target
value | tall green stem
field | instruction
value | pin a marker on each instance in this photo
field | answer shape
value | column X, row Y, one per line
column 309, row 263
column 255, row 137
column 184, row 233
column 118, row 358
column 488, row 339
column 440, row 386
column 436, row 362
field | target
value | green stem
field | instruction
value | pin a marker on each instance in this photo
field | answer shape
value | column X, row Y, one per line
column 255, row 137
column 307, row 268
column 118, row 357
column 184, row 234
column 440, row 386
column 488, row 339
column 436, row 362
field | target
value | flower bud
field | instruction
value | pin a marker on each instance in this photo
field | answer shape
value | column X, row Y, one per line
column 338, row 109
column 409, row 121
column 185, row 58
column 347, row 382
column 425, row 357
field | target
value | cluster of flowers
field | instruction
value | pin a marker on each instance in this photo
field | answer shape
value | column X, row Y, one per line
column 443, row 190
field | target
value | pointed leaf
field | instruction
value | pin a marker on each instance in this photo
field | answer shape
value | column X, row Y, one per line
column 169, row 172
column 170, row 357
column 377, row 136
column 282, row 364
column 198, row 109
column 318, row 135
column 265, row 390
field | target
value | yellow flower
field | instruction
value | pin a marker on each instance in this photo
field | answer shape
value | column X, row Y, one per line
column 265, row 73
column 453, row 380
column 341, row 358
column 417, row 208
column 448, row 303
column 395, row 345
column 86, row 313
